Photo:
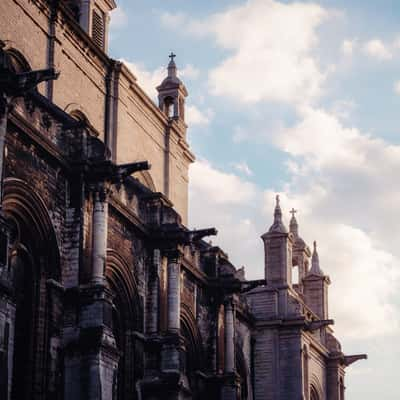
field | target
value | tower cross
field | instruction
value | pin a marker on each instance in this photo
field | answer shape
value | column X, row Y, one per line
column 172, row 56
column 293, row 212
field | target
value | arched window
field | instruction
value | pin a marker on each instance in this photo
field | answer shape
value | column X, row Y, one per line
column 169, row 107
column 192, row 357
column 25, row 284
column 33, row 261
column 126, row 316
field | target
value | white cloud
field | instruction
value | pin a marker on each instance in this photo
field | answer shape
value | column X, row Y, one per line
column 119, row 18
column 194, row 116
column 243, row 168
column 397, row 87
column 147, row 80
column 343, row 182
column 267, row 60
column 348, row 46
column 173, row 21
column 189, row 72
column 346, row 190
column 219, row 187
column 222, row 200
column 376, row 48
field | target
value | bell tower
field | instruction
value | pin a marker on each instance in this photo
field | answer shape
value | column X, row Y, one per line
column 172, row 93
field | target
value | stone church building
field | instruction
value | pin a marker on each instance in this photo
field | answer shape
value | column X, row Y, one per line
column 105, row 294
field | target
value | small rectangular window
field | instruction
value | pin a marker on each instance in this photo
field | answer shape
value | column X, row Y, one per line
column 98, row 29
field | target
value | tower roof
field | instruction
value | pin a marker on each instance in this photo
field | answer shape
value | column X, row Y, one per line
column 172, row 81
column 278, row 226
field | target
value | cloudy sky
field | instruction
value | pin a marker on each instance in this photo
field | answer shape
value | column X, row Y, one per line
column 297, row 98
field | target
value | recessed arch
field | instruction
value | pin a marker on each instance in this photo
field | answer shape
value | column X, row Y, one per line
column 316, row 392
column 193, row 356
column 144, row 177
column 121, row 280
column 18, row 61
column 33, row 262
column 77, row 111
column 22, row 204
column 127, row 317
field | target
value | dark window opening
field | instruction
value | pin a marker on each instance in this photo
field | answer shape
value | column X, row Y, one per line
column 74, row 7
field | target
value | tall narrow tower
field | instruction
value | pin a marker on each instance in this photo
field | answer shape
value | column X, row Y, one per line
column 172, row 93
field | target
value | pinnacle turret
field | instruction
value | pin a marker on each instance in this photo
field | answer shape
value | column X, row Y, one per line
column 277, row 226
column 315, row 268
column 294, row 226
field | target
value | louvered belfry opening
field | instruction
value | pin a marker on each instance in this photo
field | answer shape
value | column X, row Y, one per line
column 98, row 29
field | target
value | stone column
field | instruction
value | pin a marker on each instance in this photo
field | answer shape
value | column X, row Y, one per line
column 99, row 232
column 153, row 293
column 173, row 291
column 229, row 362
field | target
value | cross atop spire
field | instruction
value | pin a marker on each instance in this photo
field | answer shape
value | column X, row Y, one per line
column 293, row 212
column 172, row 56
column 172, row 71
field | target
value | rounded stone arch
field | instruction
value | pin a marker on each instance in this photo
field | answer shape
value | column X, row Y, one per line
column 18, row 60
column 77, row 111
column 121, row 280
column 126, row 317
column 193, row 357
column 34, row 265
column 32, row 221
column 144, row 177
column 316, row 392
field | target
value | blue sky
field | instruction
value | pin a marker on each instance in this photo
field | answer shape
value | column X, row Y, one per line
column 297, row 98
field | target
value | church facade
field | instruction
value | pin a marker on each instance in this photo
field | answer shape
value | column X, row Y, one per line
column 105, row 294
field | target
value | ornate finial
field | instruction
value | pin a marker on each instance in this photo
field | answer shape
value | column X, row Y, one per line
column 293, row 212
column 315, row 268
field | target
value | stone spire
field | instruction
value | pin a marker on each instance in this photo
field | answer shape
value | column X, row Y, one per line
column 315, row 268
column 294, row 226
column 277, row 226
